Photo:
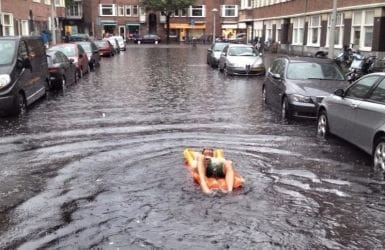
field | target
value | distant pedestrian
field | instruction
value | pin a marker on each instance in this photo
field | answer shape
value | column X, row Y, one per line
column 45, row 38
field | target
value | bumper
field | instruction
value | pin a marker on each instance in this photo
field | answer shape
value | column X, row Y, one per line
column 7, row 104
column 305, row 110
column 256, row 71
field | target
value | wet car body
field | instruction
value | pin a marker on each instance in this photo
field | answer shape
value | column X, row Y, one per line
column 92, row 53
column 105, row 48
column 121, row 42
column 150, row 38
column 241, row 59
column 357, row 114
column 115, row 44
column 214, row 53
column 291, row 86
column 76, row 52
column 62, row 71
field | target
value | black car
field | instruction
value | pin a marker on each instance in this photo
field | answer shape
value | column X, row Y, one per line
column 23, row 73
column 62, row 71
column 150, row 38
column 92, row 53
column 214, row 52
column 296, row 85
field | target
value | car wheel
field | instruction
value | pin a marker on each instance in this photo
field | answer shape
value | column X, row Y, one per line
column 285, row 109
column 63, row 82
column 21, row 104
column 264, row 97
column 379, row 154
column 220, row 68
column 227, row 73
column 323, row 125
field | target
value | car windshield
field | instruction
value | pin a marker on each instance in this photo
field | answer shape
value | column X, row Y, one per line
column 68, row 51
column 242, row 51
column 219, row 46
column 101, row 44
column 86, row 47
column 313, row 70
column 7, row 51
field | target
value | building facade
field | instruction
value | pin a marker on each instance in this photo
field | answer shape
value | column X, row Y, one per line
column 127, row 18
column 303, row 26
column 31, row 17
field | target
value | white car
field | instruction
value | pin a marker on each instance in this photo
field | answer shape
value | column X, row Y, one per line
column 122, row 44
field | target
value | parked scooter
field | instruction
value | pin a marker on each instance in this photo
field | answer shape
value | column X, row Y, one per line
column 362, row 65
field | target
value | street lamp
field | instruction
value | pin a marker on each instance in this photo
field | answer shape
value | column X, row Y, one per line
column 214, row 11
column 331, row 30
column 53, row 20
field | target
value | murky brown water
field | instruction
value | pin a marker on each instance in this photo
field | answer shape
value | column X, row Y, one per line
column 100, row 166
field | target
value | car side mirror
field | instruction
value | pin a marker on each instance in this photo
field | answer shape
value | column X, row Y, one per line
column 339, row 92
column 209, row 50
column 276, row 76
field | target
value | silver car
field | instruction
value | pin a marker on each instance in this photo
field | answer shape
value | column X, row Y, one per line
column 214, row 52
column 241, row 59
column 357, row 114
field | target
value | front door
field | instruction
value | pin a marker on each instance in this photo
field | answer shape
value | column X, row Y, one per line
column 122, row 32
column 152, row 23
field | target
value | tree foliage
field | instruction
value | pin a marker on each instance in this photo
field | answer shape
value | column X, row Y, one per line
column 69, row 3
column 166, row 8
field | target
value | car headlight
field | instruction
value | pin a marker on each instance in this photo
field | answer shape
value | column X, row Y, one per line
column 301, row 98
column 234, row 64
column 4, row 80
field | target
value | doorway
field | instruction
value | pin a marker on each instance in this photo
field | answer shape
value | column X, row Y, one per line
column 152, row 23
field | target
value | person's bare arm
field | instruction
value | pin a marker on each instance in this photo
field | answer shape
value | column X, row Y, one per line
column 202, row 175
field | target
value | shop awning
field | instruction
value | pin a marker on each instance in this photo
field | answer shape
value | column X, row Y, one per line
column 186, row 26
column 230, row 26
column 133, row 24
column 108, row 22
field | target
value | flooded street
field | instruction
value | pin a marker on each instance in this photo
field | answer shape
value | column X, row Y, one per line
column 100, row 165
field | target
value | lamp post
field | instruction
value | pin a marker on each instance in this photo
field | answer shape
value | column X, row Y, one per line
column 53, row 20
column 214, row 11
column 331, row 30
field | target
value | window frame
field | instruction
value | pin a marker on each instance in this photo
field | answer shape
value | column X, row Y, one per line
column 312, row 28
column 362, row 26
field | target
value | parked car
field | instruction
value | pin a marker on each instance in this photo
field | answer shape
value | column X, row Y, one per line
column 241, row 59
column 121, row 42
column 296, row 85
column 357, row 114
column 105, row 48
column 150, row 38
column 62, row 71
column 114, row 42
column 92, row 53
column 76, row 52
column 78, row 37
column 23, row 73
column 214, row 52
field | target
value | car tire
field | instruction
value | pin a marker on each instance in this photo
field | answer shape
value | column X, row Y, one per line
column 264, row 96
column 285, row 109
column 21, row 104
column 323, row 125
column 63, row 82
column 227, row 73
column 220, row 68
column 379, row 153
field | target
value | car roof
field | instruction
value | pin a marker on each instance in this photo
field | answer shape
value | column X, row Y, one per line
column 302, row 59
column 240, row 45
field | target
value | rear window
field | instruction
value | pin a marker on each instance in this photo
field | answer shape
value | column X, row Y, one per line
column 68, row 51
column 242, row 51
column 313, row 70
column 86, row 46
column 219, row 46
column 7, row 51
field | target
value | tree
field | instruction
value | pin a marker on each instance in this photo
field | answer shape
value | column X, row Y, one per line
column 166, row 8
column 69, row 3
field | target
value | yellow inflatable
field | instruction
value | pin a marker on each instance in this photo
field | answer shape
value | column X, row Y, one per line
column 213, row 183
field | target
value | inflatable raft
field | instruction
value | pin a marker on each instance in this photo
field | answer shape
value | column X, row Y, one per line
column 213, row 183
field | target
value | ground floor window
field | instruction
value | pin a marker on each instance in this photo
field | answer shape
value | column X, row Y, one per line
column 338, row 31
column 362, row 29
column 314, row 32
column 7, row 24
column 298, row 30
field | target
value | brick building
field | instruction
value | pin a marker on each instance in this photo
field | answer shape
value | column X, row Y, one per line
column 30, row 16
column 128, row 18
column 303, row 26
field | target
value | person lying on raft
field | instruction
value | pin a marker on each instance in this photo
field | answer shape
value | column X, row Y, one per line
column 209, row 166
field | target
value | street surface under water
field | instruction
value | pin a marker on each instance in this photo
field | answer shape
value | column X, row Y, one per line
column 100, row 165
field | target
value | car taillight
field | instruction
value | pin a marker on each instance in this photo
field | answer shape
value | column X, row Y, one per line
column 53, row 70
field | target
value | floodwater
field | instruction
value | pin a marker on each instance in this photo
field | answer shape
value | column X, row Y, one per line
column 100, row 166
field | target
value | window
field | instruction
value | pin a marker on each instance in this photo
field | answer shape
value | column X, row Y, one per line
column 197, row 11
column 378, row 94
column 121, row 10
column 7, row 21
column 362, row 29
column 75, row 9
column 298, row 27
column 338, row 31
column 135, row 10
column 246, row 4
column 314, row 30
column 59, row 3
column 229, row 10
column 24, row 26
column 107, row 9
column 362, row 87
column 128, row 10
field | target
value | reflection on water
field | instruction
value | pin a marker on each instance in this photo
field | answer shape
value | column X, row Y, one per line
column 100, row 165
